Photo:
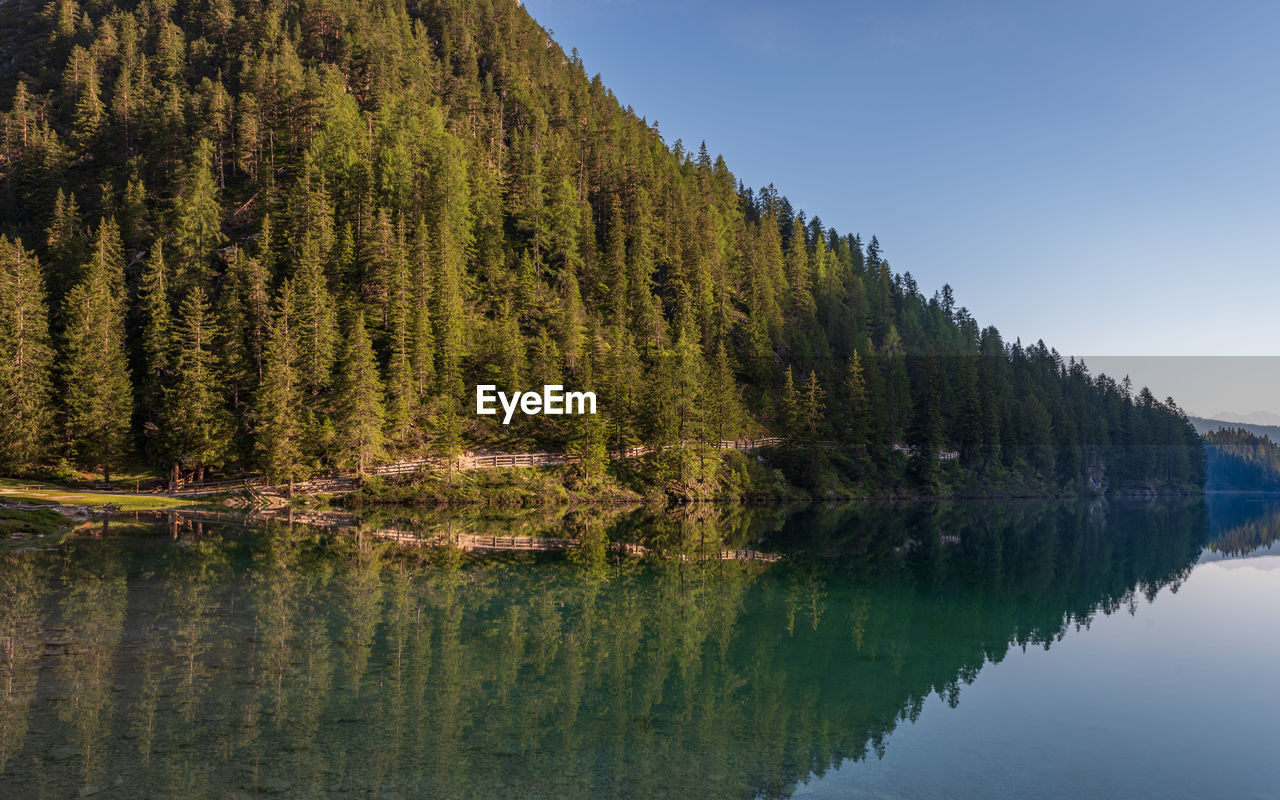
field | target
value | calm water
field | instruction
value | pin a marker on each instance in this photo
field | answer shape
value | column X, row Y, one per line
column 975, row 650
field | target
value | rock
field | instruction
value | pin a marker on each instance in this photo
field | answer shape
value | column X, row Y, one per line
column 88, row 790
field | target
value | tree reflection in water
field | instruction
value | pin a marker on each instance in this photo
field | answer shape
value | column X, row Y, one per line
column 187, row 659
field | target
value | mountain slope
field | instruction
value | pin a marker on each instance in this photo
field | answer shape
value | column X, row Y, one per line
column 1204, row 426
column 298, row 233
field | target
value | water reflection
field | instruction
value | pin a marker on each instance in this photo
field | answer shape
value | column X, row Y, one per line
column 186, row 658
column 1242, row 524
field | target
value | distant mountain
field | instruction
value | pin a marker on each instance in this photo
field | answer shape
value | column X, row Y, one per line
column 1203, row 426
column 1252, row 418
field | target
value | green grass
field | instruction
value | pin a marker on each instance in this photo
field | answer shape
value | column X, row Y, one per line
column 43, row 492
column 39, row 528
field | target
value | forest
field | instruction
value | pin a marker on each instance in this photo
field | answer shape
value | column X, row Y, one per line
column 289, row 237
column 1240, row 461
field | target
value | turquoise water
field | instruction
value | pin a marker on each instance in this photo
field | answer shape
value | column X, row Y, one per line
column 972, row 650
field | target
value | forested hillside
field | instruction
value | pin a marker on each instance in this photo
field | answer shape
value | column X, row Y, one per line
column 291, row 236
column 1240, row 461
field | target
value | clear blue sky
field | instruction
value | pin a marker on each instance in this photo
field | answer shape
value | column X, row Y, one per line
column 1102, row 175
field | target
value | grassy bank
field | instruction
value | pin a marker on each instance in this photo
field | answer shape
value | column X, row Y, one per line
column 32, row 528
column 20, row 489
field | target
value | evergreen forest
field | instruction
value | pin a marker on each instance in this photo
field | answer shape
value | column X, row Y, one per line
column 290, row 236
column 1240, row 461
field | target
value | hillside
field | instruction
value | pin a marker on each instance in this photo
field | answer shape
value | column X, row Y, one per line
column 292, row 237
column 1204, row 426
column 1239, row 460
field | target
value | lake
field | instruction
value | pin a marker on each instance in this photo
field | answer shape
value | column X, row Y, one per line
column 963, row 650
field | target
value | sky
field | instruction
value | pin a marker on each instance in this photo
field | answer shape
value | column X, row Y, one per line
column 1104, row 176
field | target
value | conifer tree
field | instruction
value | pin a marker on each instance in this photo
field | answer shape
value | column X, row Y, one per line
column 897, row 384
column 402, row 395
column 97, row 396
column 446, row 445
column 316, row 323
column 156, row 337
column 615, row 266
column 590, row 436
column 359, row 417
column 573, row 318
column 66, row 245
column 857, row 422
column 197, row 220
column 243, row 314
column 422, row 357
column 725, row 407
column 26, row 359
column 643, row 306
column 89, row 106
column 135, row 216
column 197, row 425
column 621, row 389
column 792, row 409
column 813, row 407
column 925, row 434
column 279, row 428
column 448, row 311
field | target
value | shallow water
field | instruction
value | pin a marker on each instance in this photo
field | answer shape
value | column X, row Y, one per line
column 970, row 650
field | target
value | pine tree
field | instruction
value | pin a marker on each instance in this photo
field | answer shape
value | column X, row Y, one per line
column 925, row 434
column 89, row 107
column 316, row 325
column 615, row 266
column 726, row 409
column 135, row 217
column 813, row 407
column 197, row 221
column 359, row 417
column 562, row 230
column 243, row 315
column 573, row 319
column 197, row 425
column 422, row 358
column 449, row 312
column 67, row 247
column 590, row 436
column 279, row 428
column 26, row 359
column 95, row 374
column 859, row 407
column 897, row 383
column 402, row 394
column 621, row 389
column 156, row 338
column 446, row 445
column 792, row 410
